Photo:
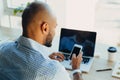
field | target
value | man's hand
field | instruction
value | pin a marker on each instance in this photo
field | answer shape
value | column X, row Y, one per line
column 76, row 60
column 57, row 56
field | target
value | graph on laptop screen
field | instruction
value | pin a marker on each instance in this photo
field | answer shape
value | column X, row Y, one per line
column 69, row 37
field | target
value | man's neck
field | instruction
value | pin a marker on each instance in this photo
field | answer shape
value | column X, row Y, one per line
column 35, row 38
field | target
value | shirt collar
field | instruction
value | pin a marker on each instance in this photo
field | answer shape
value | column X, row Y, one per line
column 30, row 43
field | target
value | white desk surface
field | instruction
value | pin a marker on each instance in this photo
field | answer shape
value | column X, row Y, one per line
column 100, row 63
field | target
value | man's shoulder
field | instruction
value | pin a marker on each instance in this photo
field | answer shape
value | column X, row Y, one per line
column 6, row 45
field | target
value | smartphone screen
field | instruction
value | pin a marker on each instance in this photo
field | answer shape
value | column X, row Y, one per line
column 76, row 50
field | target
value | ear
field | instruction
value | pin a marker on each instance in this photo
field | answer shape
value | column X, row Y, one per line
column 45, row 28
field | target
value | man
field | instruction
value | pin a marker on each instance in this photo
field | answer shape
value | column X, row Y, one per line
column 26, row 58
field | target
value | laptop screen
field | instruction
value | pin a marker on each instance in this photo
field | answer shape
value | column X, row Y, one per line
column 69, row 37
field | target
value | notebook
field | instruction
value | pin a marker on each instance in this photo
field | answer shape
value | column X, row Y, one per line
column 116, row 70
column 87, row 39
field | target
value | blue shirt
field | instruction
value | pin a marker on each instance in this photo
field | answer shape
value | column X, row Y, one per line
column 25, row 59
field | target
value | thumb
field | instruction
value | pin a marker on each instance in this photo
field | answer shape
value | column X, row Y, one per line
column 73, row 56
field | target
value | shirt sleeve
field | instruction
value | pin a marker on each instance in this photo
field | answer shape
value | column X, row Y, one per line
column 61, row 74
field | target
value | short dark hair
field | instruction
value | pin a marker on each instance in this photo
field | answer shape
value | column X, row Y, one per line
column 29, row 12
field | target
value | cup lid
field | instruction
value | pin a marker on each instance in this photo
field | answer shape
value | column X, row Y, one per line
column 112, row 49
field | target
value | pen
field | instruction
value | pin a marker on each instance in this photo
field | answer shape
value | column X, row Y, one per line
column 108, row 69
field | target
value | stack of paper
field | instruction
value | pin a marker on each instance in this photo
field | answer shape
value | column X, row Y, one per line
column 116, row 70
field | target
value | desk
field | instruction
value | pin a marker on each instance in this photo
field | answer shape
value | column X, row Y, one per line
column 100, row 63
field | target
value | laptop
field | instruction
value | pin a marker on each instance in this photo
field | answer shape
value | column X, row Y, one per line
column 86, row 39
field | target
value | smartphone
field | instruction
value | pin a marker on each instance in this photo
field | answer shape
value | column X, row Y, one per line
column 76, row 50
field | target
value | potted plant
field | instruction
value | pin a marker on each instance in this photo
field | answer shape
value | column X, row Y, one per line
column 19, row 9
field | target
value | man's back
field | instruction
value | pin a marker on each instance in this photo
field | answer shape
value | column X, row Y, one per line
column 21, row 62
column 26, row 58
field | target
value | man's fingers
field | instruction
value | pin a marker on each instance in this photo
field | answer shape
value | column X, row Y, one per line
column 79, row 57
column 58, row 59
column 60, row 55
column 76, row 60
column 56, row 56
column 74, row 56
column 80, row 54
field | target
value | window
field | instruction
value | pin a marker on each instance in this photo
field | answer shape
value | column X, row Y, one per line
column 16, row 3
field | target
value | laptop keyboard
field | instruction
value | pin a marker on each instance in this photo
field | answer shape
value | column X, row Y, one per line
column 85, row 60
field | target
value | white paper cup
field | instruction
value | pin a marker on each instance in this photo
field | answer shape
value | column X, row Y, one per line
column 111, row 53
column 111, row 56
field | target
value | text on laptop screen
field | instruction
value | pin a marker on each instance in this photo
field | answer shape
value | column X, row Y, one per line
column 69, row 37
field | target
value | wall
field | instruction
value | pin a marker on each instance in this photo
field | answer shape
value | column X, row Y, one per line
column 80, row 14
column 59, row 8
column 107, row 21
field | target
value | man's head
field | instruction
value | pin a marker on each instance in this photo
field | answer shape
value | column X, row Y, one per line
column 39, row 23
